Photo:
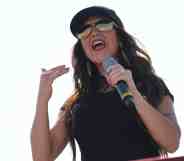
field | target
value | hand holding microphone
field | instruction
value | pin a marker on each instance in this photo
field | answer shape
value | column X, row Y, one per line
column 119, row 77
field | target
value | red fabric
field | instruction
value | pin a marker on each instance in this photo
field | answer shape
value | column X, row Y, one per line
column 159, row 159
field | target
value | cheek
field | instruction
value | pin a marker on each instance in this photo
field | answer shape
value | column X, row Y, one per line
column 86, row 48
column 114, row 46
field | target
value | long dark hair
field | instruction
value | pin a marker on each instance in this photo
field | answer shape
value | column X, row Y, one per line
column 132, row 57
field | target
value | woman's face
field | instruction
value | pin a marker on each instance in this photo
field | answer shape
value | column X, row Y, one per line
column 99, row 43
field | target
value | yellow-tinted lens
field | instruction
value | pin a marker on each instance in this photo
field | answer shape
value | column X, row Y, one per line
column 84, row 33
column 100, row 25
column 105, row 26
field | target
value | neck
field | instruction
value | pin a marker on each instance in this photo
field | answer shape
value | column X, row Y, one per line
column 100, row 68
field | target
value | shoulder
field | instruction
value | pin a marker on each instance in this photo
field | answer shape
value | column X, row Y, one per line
column 155, row 89
column 165, row 90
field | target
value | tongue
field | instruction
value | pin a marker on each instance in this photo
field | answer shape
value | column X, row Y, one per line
column 99, row 47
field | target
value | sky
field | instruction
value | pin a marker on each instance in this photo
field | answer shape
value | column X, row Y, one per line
column 35, row 34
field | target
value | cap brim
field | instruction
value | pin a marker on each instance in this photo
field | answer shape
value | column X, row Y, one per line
column 79, row 19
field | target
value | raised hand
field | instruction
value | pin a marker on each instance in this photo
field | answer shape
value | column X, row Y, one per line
column 47, row 78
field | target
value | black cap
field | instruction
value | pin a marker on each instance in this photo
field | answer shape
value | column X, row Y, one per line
column 99, row 11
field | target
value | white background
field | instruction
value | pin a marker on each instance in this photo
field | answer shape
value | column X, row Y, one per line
column 35, row 34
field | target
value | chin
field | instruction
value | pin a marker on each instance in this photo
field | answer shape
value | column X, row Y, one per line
column 99, row 56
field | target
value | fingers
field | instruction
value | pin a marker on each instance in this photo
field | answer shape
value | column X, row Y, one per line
column 117, row 68
column 60, row 67
column 53, row 73
column 118, row 73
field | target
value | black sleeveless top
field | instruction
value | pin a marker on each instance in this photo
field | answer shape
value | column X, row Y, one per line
column 106, row 130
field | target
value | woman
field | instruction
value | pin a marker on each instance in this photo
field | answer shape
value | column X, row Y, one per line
column 95, row 115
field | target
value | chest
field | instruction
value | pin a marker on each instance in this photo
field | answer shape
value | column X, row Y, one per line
column 103, row 114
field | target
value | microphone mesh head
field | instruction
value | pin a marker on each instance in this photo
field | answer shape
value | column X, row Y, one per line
column 107, row 63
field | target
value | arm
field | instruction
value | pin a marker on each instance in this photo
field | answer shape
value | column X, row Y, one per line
column 40, row 138
column 59, row 137
column 43, row 140
column 162, row 124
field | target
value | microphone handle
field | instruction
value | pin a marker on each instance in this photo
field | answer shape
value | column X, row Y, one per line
column 122, row 89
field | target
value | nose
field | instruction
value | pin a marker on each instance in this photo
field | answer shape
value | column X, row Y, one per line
column 94, row 31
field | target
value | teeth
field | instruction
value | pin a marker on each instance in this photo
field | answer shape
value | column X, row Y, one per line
column 98, row 42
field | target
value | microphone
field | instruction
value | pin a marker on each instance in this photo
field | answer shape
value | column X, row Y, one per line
column 121, row 87
column 127, row 98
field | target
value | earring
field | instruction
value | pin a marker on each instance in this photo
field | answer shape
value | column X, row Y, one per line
column 89, row 70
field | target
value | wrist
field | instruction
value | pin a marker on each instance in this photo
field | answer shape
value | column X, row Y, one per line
column 133, row 89
column 42, row 98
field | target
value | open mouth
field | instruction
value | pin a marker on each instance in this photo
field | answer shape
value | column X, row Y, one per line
column 98, row 45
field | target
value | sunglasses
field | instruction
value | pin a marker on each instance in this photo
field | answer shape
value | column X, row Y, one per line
column 101, row 25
